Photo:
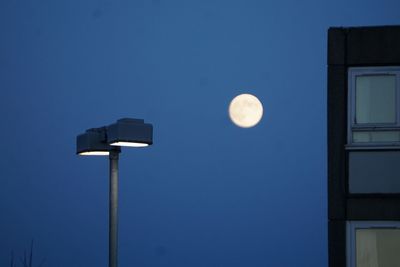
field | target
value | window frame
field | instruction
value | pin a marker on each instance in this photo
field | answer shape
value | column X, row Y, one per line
column 352, row 127
column 351, row 228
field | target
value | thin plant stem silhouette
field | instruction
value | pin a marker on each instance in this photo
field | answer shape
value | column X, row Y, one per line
column 26, row 260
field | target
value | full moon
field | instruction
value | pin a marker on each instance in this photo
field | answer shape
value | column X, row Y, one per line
column 245, row 110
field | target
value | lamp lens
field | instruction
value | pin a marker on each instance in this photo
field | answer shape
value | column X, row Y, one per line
column 95, row 153
column 130, row 144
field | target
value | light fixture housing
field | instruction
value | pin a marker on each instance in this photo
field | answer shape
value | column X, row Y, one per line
column 93, row 143
column 130, row 132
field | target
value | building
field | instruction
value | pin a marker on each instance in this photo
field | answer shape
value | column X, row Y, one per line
column 364, row 146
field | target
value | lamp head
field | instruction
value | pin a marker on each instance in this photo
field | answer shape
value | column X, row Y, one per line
column 93, row 143
column 130, row 132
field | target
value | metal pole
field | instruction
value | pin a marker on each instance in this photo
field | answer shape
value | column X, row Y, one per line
column 113, row 212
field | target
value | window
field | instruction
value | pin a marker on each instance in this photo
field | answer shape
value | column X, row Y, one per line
column 373, row 244
column 374, row 106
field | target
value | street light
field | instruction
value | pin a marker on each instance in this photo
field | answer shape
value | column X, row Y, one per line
column 107, row 141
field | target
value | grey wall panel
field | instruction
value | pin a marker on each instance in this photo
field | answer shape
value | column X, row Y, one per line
column 374, row 172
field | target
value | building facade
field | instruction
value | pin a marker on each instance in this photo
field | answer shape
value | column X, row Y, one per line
column 364, row 146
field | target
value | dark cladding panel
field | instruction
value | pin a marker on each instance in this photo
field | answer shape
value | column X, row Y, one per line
column 337, row 239
column 336, row 46
column 372, row 46
column 373, row 208
column 337, row 106
column 374, row 172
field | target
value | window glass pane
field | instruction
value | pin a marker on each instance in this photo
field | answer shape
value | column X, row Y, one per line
column 376, row 99
column 378, row 136
column 377, row 247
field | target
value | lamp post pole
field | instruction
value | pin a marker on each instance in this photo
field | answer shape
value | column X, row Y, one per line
column 113, row 213
column 108, row 140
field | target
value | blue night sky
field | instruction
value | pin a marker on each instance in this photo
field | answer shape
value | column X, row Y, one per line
column 207, row 193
